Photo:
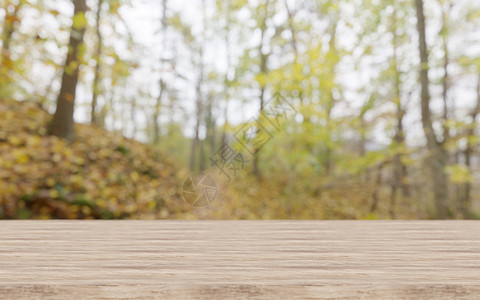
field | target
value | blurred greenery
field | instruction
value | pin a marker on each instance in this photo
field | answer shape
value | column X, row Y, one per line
column 368, row 137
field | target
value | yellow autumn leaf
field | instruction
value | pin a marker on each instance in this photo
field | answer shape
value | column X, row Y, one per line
column 79, row 21
column 79, row 161
column 50, row 181
column 54, row 194
column 134, row 176
column 261, row 79
column 86, row 210
column 21, row 157
column 14, row 140
column 33, row 140
column 151, row 205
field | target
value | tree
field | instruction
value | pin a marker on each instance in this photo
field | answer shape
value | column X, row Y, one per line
column 161, row 82
column 199, row 101
column 437, row 157
column 226, row 81
column 262, row 23
column 11, row 21
column 466, row 193
column 98, row 53
column 62, row 124
column 399, row 168
column 446, row 61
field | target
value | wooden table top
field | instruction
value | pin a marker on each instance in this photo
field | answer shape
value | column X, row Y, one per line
column 239, row 259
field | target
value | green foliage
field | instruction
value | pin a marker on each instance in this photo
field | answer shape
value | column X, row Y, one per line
column 459, row 173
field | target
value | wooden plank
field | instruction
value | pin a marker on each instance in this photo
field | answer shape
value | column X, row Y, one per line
column 239, row 259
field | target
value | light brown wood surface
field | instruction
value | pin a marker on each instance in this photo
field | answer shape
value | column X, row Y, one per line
column 239, row 259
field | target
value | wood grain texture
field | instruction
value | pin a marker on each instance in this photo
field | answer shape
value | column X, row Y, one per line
column 239, row 259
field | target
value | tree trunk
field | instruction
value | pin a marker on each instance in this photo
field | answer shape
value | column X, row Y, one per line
column 96, row 79
column 156, row 114
column 199, row 101
column 226, row 79
column 62, row 122
column 446, row 78
column 161, row 82
column 211, row 128
column 376, row 188
column 399, row 168
column 292, row 30
column 446, row 131
column 11, row 19
column 437, row 156
column 199, row 113
column 263, row 70
column 8, row 28
column 331, row 101
column 465, row 195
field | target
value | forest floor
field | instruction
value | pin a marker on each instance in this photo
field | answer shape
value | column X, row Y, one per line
column 101, row 175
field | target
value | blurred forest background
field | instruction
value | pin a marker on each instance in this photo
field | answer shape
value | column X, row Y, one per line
column 107, row 106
